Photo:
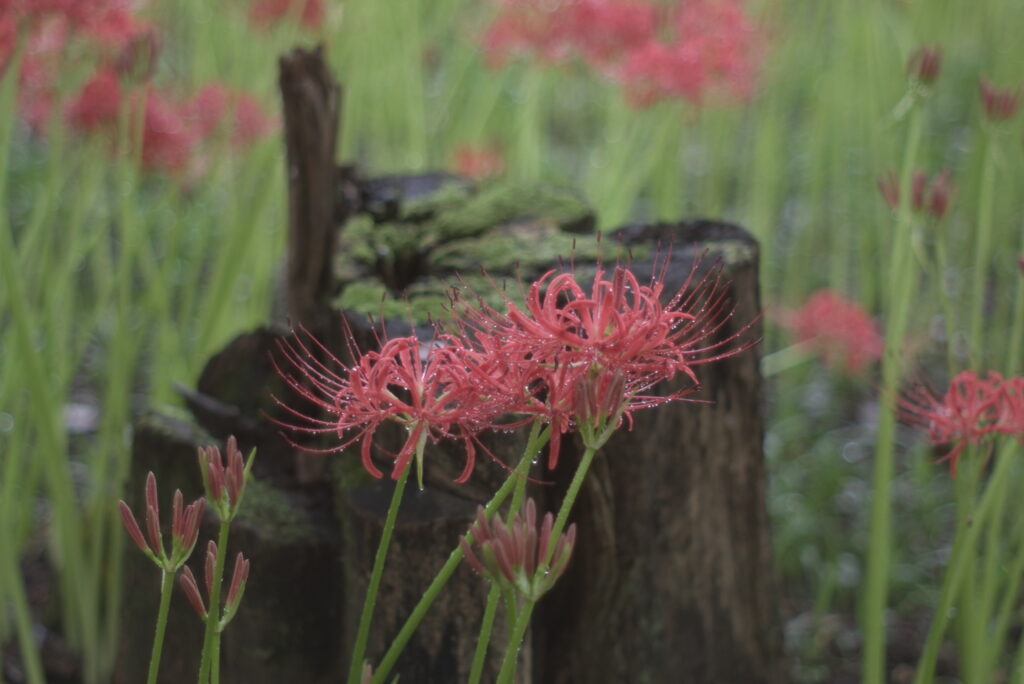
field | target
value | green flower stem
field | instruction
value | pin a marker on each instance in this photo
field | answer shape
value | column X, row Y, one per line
column 210, row 641
column 902, row 277
column 515, row 642
column 569, row 500
column 963, row 555
column 983, row 248
column 1013, row 356
column 494, row 594
column 477, row 668
column 444, row 574
column 166, row 586
column 355, row 668
column 215, row 659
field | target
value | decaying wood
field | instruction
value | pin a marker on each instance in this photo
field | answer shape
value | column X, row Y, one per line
column 312, row 105
column 672, row 578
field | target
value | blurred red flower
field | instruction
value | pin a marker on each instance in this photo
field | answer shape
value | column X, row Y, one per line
column 97, row 104
column 845, row 336
column 479, row 162
column 266, row 12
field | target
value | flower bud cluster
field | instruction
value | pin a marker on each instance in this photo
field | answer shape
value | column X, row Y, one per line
column 518, row 555
column 224, row 477
column 184, row 528
column 236, row 589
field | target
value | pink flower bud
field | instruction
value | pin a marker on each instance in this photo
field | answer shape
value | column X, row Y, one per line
column 1000, row 105
column 130, row 524
column 925, row 63
column 188, row 584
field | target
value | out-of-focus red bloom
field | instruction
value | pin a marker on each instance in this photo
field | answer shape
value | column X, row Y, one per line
column 427, row 389
column 971, row 409
column 116, row 27
column 932, row 198
column 168, row 141
column 715, row 47
column 925, row 63
column 97, row 104
column 267, row 12
column 514, row 554
column 215, row 106
column 1000, row 104
column 838, row 329
column 602, row 31
column 479, row 162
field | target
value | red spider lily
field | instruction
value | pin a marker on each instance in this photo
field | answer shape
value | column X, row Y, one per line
column 514, row 554
column 478, row 162
column 239, row 577
column 1000, row 104
column 932, row 198
column 620, row 336
column 224, row 477
column 184, row 528
column 98, row 103
column 971, row 409
column 310, row 13
column 925, row 63
column 839, row 329
column 427, row 389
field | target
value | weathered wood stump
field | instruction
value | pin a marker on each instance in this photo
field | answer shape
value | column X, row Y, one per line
column 672, row 575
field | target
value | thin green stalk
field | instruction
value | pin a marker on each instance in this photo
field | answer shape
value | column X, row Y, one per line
column 1013, row 355
column 166, row 586
column 570, row 498
column 1009, row 601
column 213, row 609
column 515, row 641
column 902, row 276
column 387, row 663
column 982, row 254
column 484, row 638
column 963, row 547
column 215, row 665
column 355, row 669
column 15, row 592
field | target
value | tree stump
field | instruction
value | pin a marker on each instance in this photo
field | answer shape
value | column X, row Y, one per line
column 672, row 578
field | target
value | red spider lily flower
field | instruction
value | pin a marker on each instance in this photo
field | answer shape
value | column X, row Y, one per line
column 98, row 103
column 839, row 329
column 970, row 410
column 168, row 141
column 478, row 162
column 216, row 106
column 715, row 48
column 425, row 388
column 514, row 554
column 618, row 336
column 184, row 528
column 928, row 198
column 239, row 577
column 224, row 477
column 925, row 63
column 310, row 13
column 1000, row 104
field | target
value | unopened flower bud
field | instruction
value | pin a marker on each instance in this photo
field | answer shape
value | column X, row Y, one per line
column 1000, row 104
column 925, row 63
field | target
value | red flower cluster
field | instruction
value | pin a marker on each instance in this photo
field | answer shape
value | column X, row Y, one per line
column 310, row 13
column 682, row 51
column 124, row 48
column 925, row 197
column 1000, row 104
column 479, row 162
column 970, row 410
column 838, row 328
column 574, row 360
